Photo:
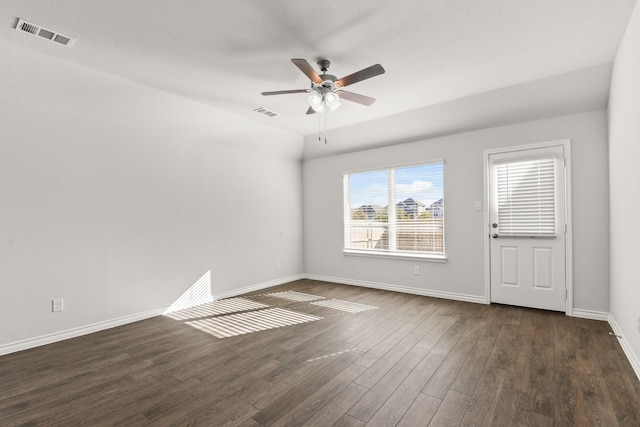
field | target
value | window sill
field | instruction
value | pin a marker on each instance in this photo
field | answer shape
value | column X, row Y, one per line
column 395, row 255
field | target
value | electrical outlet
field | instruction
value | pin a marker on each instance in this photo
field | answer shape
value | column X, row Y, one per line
column 416, row 270
column 57, row 305
column 277, row 263
column 638, row 322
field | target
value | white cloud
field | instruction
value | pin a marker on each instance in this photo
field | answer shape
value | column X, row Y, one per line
column 424, row 191
column 377, row 193
column 418, row 190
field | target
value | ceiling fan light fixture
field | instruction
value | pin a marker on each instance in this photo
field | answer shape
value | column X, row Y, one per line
column 321, row 102
column 316, row 102
column 332, row 100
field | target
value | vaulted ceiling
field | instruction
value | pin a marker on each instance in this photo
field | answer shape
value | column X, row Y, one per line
column 445, row 59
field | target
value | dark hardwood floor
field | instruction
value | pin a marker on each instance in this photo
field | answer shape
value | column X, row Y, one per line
column 403, row 360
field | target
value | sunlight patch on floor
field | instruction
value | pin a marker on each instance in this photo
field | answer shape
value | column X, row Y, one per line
column 348, row 306
column 253, row 321
column 295, row 296
column 216, row 308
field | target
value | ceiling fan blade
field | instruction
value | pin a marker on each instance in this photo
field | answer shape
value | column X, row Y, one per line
column 358, row 76
column 356, row 97
column 284, row 92
column 311, row 111
column 307, row 69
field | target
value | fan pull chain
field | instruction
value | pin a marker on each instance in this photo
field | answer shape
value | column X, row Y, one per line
column 321, row 132
column 325, row 127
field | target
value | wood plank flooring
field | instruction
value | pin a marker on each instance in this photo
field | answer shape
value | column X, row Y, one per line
column 403, row 360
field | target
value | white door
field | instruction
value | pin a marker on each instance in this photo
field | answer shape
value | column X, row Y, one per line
column 527, row 227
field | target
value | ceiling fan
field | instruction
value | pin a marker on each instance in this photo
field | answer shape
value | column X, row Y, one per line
column 326, row 90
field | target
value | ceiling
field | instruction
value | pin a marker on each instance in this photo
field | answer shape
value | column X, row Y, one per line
column 223, row 54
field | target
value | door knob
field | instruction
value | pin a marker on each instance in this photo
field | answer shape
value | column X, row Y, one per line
column 494, row 225
column 495, row 236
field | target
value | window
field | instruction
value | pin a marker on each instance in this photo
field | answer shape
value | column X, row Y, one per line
column 395, row 212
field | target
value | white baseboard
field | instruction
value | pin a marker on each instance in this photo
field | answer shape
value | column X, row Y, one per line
column 590, row 314
column 76, row 332
column 258, row 287
column 403, row 289
column 628, row 351
column 107, row 324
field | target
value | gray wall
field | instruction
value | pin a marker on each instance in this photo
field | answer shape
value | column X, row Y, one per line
column 120, row 213
column 624, row 152
column 463, row 275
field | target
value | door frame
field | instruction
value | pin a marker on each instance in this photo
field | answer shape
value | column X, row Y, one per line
column 568, row 248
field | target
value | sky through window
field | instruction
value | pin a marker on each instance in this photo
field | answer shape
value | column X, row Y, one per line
column 422, row 183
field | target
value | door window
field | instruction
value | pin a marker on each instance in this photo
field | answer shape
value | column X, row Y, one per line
column 526, row 197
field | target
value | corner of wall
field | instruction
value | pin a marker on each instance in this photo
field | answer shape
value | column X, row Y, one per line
column 628, row 351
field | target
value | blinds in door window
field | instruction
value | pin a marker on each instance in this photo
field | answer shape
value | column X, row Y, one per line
column 526, row 197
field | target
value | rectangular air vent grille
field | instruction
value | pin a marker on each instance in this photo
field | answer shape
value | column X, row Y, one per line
column 266, row 112
column 37, row 30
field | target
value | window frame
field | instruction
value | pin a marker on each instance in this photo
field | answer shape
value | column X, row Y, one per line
column 388, row 254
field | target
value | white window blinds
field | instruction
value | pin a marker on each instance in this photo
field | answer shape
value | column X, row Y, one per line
column 526, row 197
column 396, row 210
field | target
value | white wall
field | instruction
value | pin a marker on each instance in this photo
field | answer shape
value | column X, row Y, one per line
column 120, row 219
column 463, row 275
column 624, row 157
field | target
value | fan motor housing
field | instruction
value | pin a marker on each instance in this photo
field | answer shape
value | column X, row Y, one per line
column 328, row 79
column 324, row 64
column 327, row 85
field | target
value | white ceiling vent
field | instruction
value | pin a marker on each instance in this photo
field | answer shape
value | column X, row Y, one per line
column 266, row 112
column 37, row 30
